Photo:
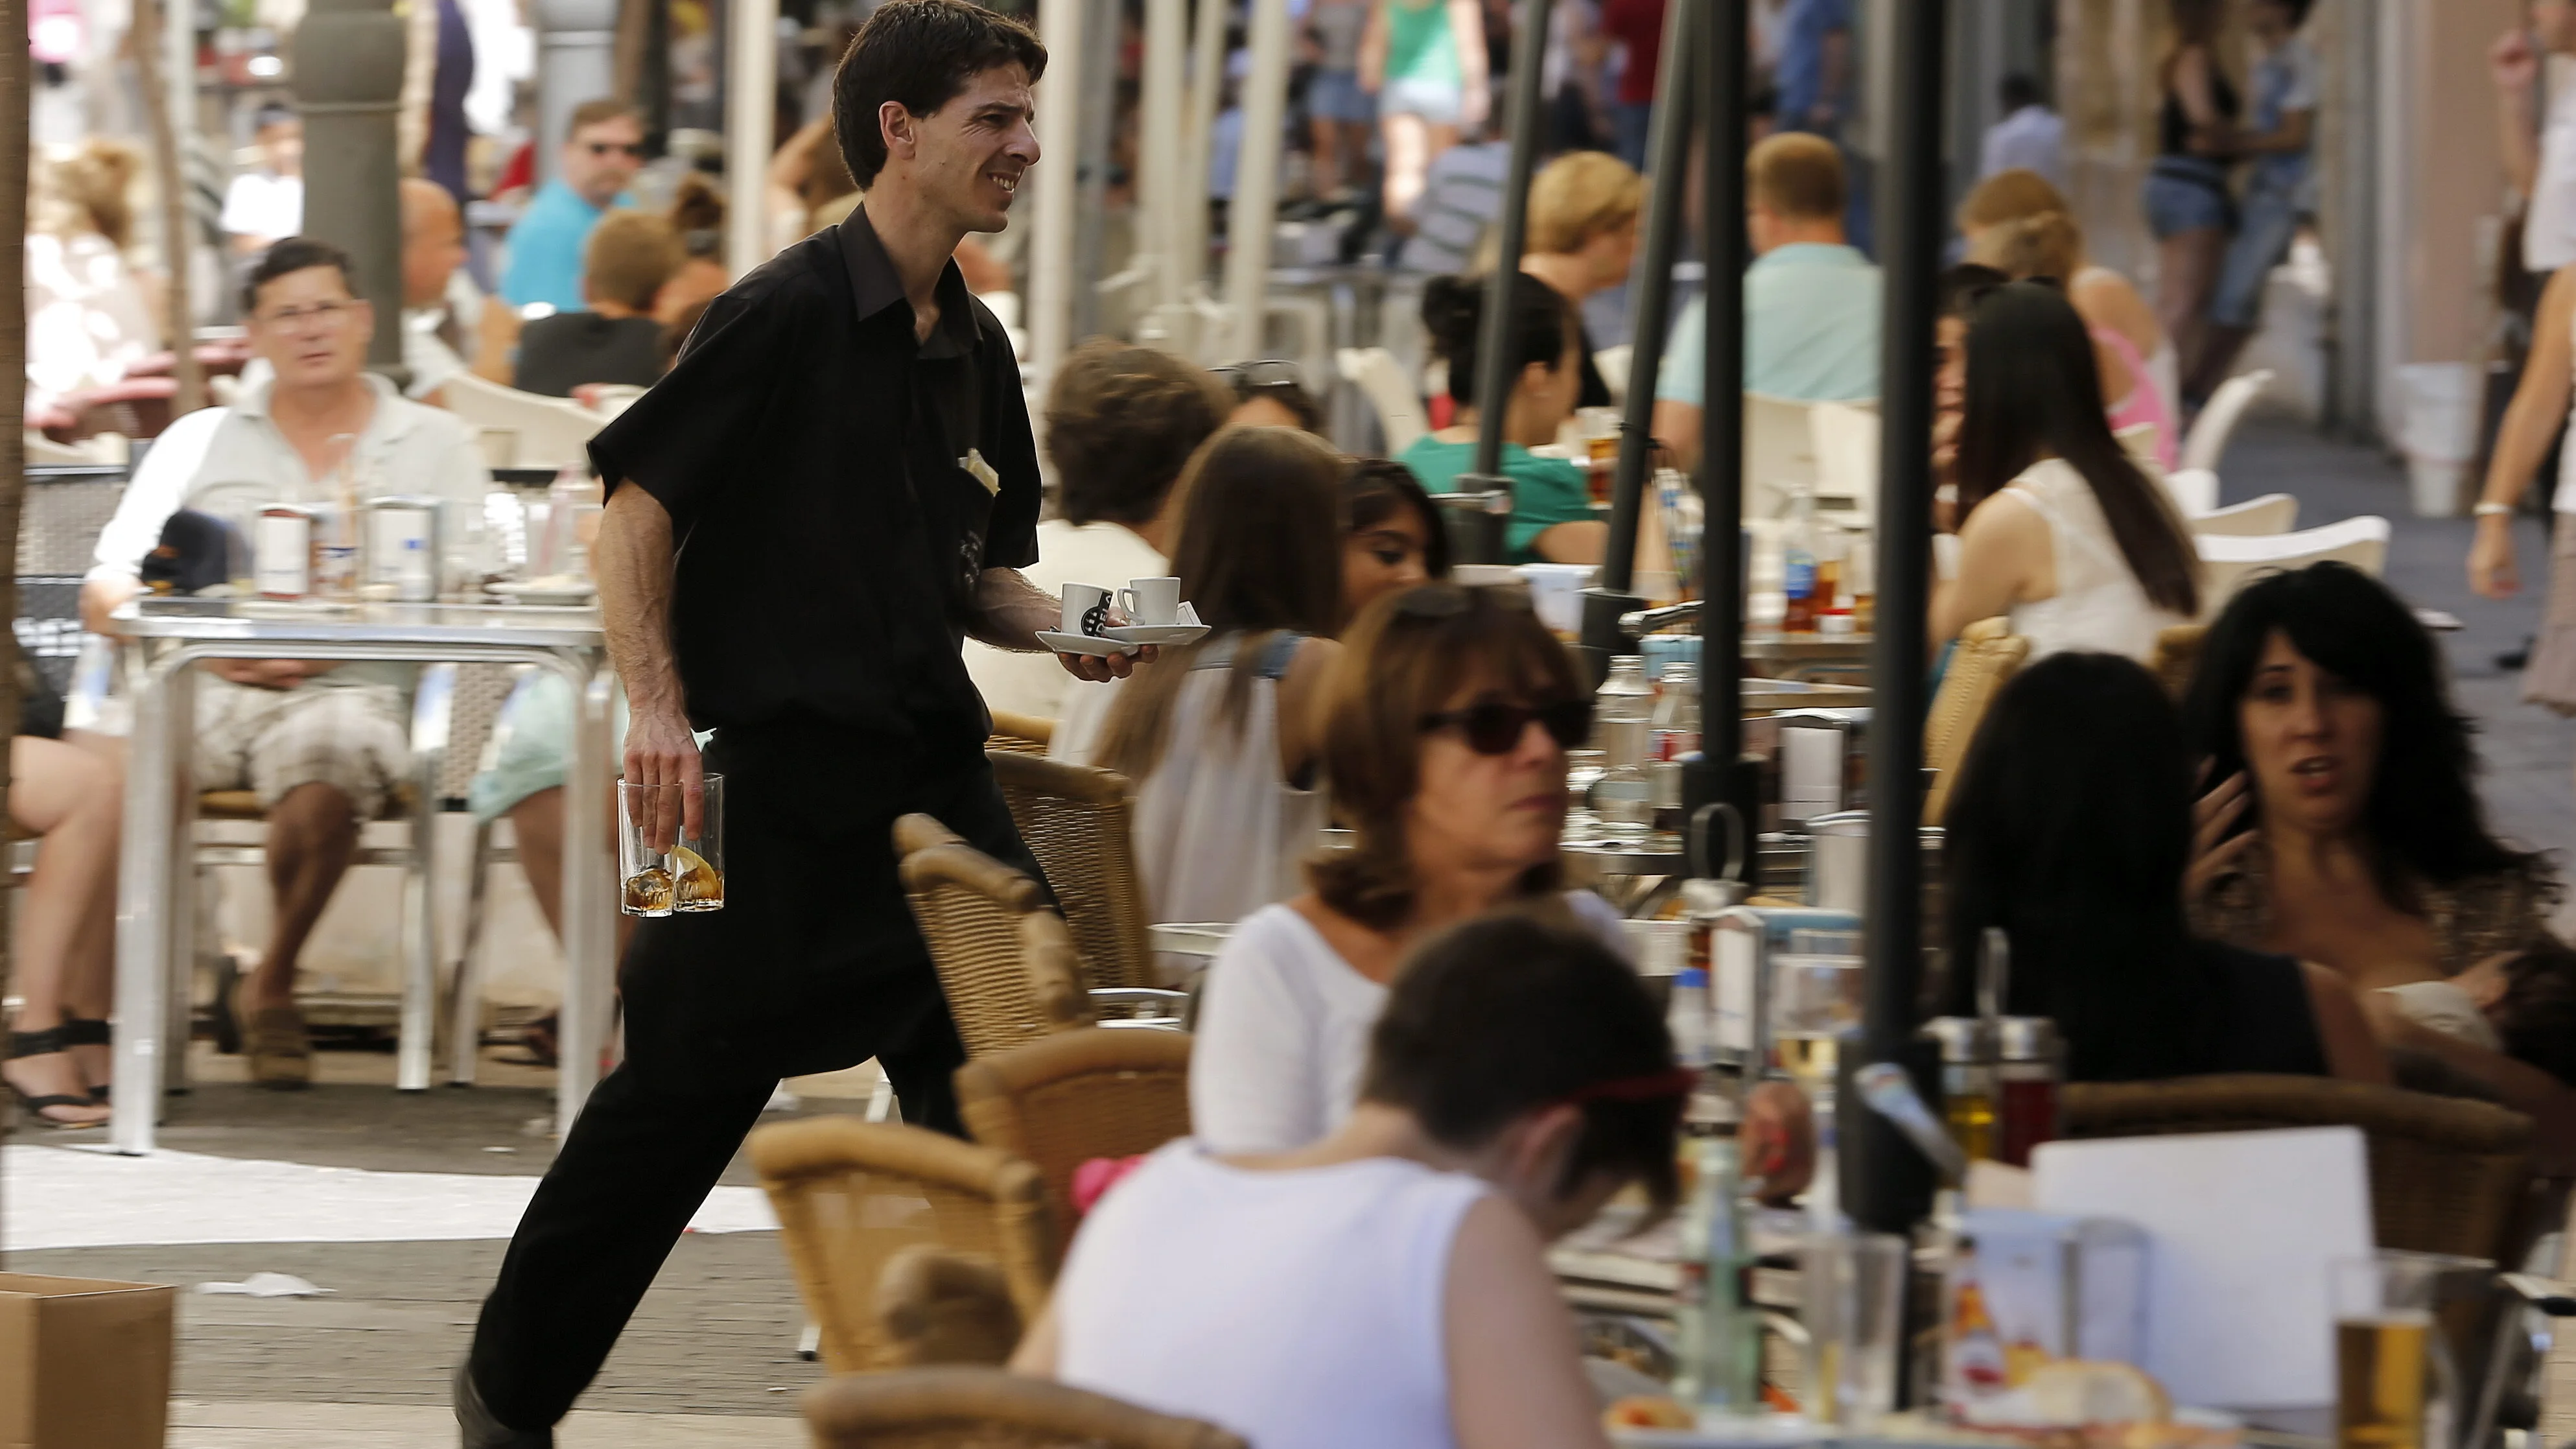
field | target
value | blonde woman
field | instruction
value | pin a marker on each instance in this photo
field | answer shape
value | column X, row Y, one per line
column 1584, row 208
column 90, row 316
column 2050, row 247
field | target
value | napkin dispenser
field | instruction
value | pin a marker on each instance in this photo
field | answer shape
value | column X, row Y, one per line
column 1822, row 762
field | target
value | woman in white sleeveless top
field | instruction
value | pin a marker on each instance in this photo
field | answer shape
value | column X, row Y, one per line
column 2061, row 533
column 1447, row 722
column 1216, row 737
column 1388, row 1286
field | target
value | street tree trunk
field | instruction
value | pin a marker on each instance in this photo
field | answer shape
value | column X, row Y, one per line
column 178, row 231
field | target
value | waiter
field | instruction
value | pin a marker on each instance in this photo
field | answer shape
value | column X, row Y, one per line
column 833, row 485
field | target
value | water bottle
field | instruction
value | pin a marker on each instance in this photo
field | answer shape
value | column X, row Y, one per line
column 1719, row 1372
column 1674, row 731
column 1798, row 568
column 1622, row 711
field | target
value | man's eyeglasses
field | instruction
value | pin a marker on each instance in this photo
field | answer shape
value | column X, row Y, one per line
column 1247, row 378
column 603, row 148
column 1494, row 728
column 323, row 316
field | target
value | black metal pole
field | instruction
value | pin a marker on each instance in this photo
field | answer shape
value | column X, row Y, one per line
column 1887, row 1186
column 1724, row 58
column 1649, row 313
column 1493, row 369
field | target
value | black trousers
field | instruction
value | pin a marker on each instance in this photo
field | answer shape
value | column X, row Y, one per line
column 814, row 964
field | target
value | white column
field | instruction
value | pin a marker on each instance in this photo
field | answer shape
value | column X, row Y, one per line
column 1207, row 85
column 1254, row 215
column 751, row 111
column 1051, row 282
column 576, row 62
column 1159, row 183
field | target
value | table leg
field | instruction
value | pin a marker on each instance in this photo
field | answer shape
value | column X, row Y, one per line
column 142, row 931
column 420, row 945
column 589, row 935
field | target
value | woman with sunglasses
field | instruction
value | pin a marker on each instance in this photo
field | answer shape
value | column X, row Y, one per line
column 1219, row 736
column 1445, row 729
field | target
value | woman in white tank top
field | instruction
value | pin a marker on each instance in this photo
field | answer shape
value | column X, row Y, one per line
column 1388, row 1286
column 2061, row 532
column 1216, row 736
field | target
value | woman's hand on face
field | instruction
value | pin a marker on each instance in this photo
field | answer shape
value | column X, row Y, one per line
column 2216, row 842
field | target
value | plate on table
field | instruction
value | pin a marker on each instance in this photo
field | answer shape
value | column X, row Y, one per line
column 565, row 594
column 1084, row 644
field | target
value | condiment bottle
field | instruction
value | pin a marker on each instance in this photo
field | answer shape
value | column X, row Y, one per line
column 2030, row 1066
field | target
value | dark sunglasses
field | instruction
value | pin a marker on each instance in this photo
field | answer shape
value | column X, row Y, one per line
column 1494, row 728
column 1251, row 377
column 602, row 148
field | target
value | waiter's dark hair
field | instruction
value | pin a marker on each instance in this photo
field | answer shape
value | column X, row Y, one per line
column 919, row 54
column 295, row 254
column 1512, row 1014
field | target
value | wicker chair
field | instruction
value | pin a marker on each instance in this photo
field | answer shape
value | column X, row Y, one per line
column 1075, row 820
column 1061, row 1101
column 1020, row 734
column 1985, row 661
column 967, row 1408
column 2447, row 1175
column 1005, row 961
column 851, row 1194
column 2177, row 656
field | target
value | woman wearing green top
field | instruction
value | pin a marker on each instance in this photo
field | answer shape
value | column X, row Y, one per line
column 1425, row 63
column 1552, row 518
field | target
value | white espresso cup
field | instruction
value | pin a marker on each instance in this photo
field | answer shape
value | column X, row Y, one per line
column 1086, row 609
column 1152, row 601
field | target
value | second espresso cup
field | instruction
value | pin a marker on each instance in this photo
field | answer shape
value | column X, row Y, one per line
column 1152, row 601
column 1086, row 609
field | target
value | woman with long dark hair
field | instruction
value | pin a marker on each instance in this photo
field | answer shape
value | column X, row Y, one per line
column 1392, row 538
column 1551, row 502
column 2346, row 826
column 2070, row 830
column 1220, row 736
column 2060, row 530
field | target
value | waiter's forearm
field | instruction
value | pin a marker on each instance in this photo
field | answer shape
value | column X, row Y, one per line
column 1010, row 610
column 633, row 558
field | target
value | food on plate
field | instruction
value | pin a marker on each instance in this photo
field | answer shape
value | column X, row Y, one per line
column 2075, row 1392
column 1647, row 1411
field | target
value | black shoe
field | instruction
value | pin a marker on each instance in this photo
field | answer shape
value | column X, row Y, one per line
column 482, row 1431
column 2516, row 659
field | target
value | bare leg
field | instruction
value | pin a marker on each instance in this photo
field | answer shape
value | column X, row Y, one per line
column 1406, row 160
column 537, row 821
column 2187, row 273
column 75, row 801
column 1327, row 137
column 312, row 834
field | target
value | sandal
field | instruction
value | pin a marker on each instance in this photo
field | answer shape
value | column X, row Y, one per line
column 273, row 1040
column 45, row 1044
column 81, row 1031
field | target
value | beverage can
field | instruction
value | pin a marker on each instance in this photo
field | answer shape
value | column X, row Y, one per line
column 282, row 552
column 402, row 548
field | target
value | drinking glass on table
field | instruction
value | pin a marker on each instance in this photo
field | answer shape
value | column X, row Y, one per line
column 2393, row 1378
column 1852, row 1304
column 661, row 867
column 1599, row 429
column 1814, row 1000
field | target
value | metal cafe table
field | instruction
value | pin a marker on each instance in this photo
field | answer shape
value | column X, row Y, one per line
column 156, row 919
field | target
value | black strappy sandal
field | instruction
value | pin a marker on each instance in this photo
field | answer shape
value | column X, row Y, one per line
column 81, row 1031
column 44, row 1044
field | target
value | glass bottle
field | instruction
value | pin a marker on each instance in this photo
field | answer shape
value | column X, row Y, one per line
column 1622, row 711
column 1674, row 730
column 1798, row 567
column 1720, row 1358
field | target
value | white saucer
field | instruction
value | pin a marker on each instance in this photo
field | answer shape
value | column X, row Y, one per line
column 1159, row 633
column 1084, row 644
column 546, row 593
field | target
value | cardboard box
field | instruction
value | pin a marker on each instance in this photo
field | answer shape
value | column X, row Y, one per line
column 84, row 1364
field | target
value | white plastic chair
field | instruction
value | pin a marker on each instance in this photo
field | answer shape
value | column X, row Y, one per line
column 2194, row 491
column 2206, row 443
column 1845, row 439
column 2139, row 441
column 1779, row 452
column 2271, row 513
column 2229, row 562
column 553, row 432
column 1375, row 372
column 1613, row 363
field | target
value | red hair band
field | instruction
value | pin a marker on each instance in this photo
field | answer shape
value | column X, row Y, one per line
column 1673, row 1082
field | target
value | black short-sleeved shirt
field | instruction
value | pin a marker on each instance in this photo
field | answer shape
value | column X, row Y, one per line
column 560, row 353
column 812, row 456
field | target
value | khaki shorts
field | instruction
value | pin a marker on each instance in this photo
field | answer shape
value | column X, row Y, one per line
column 2551, row 677
column 351, row 737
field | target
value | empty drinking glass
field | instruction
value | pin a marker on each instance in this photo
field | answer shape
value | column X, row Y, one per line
column 661, row 866
column 1852, row 1286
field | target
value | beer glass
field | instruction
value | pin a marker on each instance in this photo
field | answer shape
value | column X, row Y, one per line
column 1814, row 999
column 2393, row 1385
column 661, row 866
column 1853, row 1300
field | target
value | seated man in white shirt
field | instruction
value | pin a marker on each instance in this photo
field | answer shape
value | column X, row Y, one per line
column 433, row 233
column 323, row 745
column 1121, row 422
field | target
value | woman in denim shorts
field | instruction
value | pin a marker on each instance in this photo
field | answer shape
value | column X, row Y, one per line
column 2189, row 205
column 1338, row 111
